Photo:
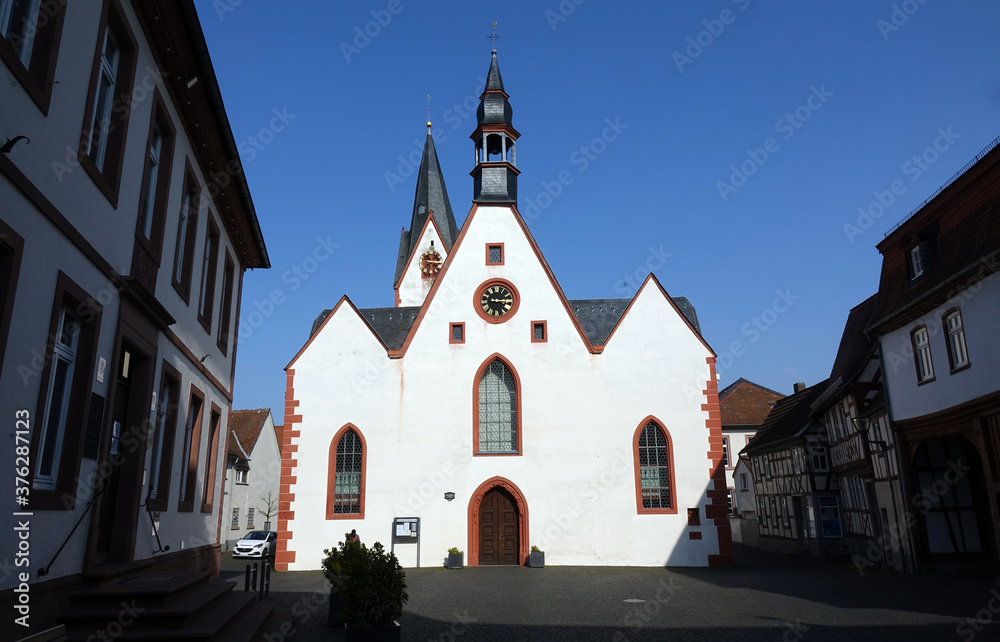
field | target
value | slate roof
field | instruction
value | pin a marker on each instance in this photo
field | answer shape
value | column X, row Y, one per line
column 789, row 418
column 855, row 347
column 430, row 197
column 494, row 107
column 598, row 318
column 745, row 403
column 958, row 227
column 246, row 424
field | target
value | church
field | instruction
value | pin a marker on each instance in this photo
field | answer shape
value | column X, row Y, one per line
column 487, row 412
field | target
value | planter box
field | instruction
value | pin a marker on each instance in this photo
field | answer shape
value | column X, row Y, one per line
column 455, row 560
column 536, row 559
column 390, row 633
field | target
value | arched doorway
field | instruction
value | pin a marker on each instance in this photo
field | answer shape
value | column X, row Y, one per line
column 951, row 497
column 498, row 524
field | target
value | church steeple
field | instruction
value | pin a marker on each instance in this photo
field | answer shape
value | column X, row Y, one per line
column 430, row 199
column 495, row 173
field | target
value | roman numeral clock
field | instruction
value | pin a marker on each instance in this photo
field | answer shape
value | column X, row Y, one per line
column 496, row 301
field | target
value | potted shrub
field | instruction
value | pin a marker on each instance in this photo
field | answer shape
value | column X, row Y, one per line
column 455, row 558
column 536, row 558
column 372, row 587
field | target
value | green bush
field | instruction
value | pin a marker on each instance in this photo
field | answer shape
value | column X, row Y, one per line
column 371, row 583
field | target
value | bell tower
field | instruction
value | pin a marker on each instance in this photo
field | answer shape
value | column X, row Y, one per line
column 495, row 173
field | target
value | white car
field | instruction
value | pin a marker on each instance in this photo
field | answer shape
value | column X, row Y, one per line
column 256, row 544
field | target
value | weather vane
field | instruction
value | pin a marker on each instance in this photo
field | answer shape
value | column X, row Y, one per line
column 493, row 36
column 428, row 109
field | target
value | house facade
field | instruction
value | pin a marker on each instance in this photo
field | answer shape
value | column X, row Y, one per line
column 497, row 412
column 125, row 232
column 743, row 405
column 798, row 508
column 253, row 469
column 936, row 320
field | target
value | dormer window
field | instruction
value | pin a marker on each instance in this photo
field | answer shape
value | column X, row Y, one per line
column 916, row 264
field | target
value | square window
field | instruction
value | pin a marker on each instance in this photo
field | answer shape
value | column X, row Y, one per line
column 457, row 333
column 725, row 452
column 539, row 332
column 494, row 254
column 694, row 517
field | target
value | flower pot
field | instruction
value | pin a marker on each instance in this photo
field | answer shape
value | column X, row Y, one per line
column 455, row 560
column 536, row 559
column 391, row 633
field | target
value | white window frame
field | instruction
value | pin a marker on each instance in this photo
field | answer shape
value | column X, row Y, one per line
column 732, row 501
column 57, row 409
column 725, row 452
column 242, row 476
column 957, row 348
column 922, row 354
column 104, row 99
column 916, row 264
column 235, row 522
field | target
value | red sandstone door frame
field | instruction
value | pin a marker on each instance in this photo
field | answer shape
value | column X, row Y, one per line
column 473, row 520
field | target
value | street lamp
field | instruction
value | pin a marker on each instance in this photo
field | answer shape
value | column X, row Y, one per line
column 861, row 425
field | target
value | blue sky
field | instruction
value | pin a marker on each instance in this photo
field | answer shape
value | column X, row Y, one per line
column 725, row 143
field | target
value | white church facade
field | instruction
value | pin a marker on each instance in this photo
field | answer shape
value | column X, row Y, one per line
column 497, row 411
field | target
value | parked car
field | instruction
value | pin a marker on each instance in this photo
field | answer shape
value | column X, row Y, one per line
column 256, row 544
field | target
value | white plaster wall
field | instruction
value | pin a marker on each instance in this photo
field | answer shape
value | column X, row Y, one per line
column 980, row 306
column 413, row 287
column 579, row 414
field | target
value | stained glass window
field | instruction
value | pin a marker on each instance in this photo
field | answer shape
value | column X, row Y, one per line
column 497, row 409
column 347, row 486
column 654, row 470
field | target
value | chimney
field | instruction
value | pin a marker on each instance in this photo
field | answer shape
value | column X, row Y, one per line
column 799, row 387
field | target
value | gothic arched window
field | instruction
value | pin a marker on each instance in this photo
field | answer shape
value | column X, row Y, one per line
column 345, row 496
column 496, row 409
column 654, row 469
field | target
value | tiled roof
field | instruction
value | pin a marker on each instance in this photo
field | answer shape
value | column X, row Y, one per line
column 958, row 228
column 247, row 424
column 598, row 318
column 746, row 403
column 233, row 446
column 787, row 419
column 279, row 434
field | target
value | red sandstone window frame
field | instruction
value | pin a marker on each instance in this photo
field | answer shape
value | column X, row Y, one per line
column 108, row 178
column 210, row 266
column 503, row 255
column 38, row 75
column 331, row 478
column 545, row 331
column 11, row 250
column 225, row 318
column 160, row 120
column 451, row 333
column 189, row 468
column 214, row 427
column 639, row 508
column 165, row 438
column 184, row 246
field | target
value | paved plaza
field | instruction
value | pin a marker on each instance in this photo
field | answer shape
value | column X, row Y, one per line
column 767, row 596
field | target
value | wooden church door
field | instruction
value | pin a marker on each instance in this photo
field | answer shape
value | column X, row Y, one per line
column 499, row 526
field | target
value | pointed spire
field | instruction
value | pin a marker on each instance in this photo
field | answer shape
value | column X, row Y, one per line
column 493, row 80
column 429, row 199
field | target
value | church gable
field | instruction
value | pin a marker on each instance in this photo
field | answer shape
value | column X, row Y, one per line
column 342, row 334
column 426, row 258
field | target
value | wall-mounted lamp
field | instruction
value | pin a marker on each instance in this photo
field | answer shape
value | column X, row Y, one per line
column 449, row 495
column 861, row 425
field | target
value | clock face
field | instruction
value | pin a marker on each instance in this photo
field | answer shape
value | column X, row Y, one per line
column 430, row 263
column 496, row 300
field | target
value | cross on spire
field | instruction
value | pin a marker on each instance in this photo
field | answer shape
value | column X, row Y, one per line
column 493, row 36
column 428, row 109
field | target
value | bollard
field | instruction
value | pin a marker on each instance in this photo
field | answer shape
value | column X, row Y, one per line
column 246, row 581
